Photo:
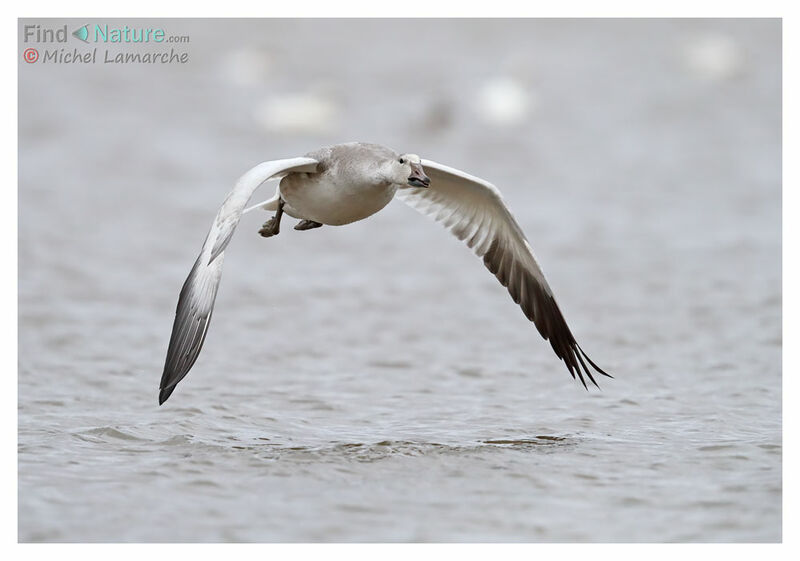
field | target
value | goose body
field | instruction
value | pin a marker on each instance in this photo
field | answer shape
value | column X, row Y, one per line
column 343, row 190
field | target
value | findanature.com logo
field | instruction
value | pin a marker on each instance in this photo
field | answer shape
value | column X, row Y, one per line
column 101, row 34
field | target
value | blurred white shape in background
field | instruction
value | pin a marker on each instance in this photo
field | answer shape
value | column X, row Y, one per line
column 438, row 115
column 298, row 113
column 713, row 56
column 504, row 101
column 248, row 66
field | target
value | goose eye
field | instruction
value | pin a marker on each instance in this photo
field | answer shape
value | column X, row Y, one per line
column 402, row 161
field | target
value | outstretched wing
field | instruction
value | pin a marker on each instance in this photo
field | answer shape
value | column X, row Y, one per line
column 196, row 301
column 474, row 211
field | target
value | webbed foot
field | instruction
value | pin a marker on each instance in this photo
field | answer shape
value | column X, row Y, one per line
column 307, row 225
column 272, row 227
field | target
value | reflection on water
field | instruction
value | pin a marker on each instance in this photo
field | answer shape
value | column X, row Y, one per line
column 374, row 382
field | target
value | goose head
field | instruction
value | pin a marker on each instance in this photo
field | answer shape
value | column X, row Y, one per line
column 406, row 171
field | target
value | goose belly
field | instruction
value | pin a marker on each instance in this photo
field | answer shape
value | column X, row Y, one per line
column 332, row 204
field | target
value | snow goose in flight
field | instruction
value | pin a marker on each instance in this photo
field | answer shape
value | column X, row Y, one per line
column 349, row 182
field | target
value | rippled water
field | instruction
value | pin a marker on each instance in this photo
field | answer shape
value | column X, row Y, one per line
column 374, row 382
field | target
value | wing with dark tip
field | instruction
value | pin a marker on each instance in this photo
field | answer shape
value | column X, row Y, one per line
column 196, row 301
column 474, row 211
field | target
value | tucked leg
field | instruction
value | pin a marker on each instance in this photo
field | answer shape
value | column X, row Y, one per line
column 307, row 225
column 272, row 227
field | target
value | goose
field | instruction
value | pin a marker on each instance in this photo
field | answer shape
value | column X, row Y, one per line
column 344, row 183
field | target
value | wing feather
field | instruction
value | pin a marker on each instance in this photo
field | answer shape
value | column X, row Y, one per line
column 474, row 211
column 196, row 300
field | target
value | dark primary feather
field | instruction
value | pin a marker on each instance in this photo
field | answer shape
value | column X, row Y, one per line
column 475, row 213
column 192, row 316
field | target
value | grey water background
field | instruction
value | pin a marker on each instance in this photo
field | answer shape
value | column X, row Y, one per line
column 374, row 382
